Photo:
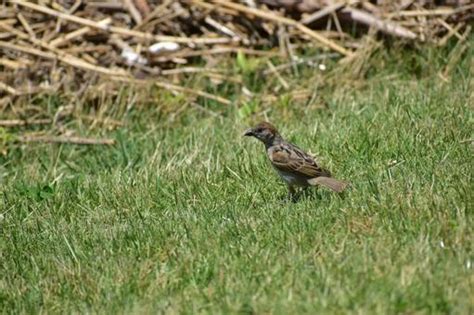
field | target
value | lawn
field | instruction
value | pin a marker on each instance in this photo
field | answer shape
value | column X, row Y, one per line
column 184, row 215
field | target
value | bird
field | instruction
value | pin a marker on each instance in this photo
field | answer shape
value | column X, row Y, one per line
column 293, row 165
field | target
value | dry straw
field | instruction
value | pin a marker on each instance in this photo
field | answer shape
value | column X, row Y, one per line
column 51, row 45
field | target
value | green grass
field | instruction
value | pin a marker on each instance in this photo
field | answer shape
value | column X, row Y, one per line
column 184, row 215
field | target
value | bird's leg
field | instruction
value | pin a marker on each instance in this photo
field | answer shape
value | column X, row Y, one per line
column 291, row 193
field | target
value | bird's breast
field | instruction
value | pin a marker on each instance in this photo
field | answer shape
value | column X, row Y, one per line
column 292, row 179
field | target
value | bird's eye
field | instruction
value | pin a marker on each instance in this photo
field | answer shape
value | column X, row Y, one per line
column 259, row 130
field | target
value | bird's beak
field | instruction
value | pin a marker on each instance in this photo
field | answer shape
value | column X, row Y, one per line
column 248, row 132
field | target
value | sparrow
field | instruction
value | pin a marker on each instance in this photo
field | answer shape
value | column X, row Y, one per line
column 295, row 167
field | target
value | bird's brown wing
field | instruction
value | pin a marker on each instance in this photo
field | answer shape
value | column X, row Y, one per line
column 289, row 158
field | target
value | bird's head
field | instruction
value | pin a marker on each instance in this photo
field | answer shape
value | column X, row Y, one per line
column 264, row 132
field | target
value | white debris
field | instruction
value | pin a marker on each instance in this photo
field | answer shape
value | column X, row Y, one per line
column 392, row 162
column 247, row 92
column 250, row 3
column 132, row 57
column 163, row 47
column 441, row 244
column 322, row 67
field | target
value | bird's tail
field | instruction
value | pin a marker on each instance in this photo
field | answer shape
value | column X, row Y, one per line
column 332, row 183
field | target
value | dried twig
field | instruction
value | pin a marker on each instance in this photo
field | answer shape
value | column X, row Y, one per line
column 287, row 21
column 441, row 11
column 389, row 27
column 8, row 89
column 18, row 122
column 277, row 74
column 59, row 54
column 66, row 140
column 451, row 32
column 15, row 64
column 79, row 32
column 323, row 12
column 133, row 11
column 120, row 30
column 457, row 52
